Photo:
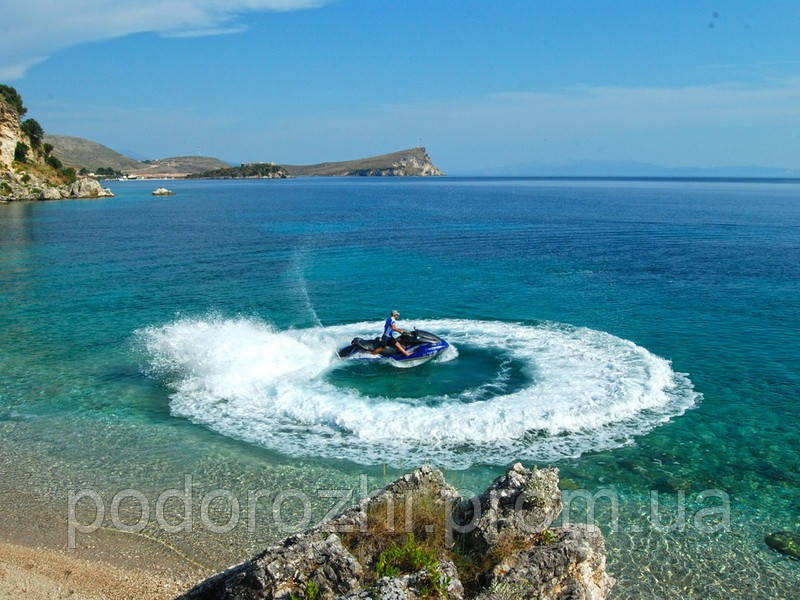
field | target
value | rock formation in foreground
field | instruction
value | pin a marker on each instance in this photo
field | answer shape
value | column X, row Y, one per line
column 28, row 168
column 406, row 163
column 417, row 538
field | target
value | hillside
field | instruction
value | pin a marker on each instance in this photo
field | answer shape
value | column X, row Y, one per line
column 411, row 162
column 83, row 153
column 178, row 166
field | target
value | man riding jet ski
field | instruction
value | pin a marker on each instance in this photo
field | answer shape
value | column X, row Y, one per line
column 411, row 348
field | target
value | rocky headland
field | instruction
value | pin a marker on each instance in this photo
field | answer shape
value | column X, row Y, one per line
column 28, row 168
column 414, row 162
column 417, row 538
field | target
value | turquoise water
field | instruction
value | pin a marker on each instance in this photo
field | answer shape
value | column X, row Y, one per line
column 639, row 335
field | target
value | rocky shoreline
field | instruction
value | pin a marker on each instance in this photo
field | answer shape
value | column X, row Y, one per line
column 417, row 538
column 28, row 169
column 39, row 190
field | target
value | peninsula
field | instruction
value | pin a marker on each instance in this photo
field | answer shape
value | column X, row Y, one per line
column 413, row 162
column 102, row 160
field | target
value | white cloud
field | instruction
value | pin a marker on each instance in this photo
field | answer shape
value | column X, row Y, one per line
column 32, row 30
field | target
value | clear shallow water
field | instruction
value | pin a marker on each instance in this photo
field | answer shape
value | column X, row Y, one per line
column 640, row 335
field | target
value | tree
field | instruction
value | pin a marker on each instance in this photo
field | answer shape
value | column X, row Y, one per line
column 10, row 95
column 34, row 131
column 48, row 148
column 21, row 152
column 83, row 171
column 54, row 162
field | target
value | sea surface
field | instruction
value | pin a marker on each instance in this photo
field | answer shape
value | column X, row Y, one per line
column 642, row 336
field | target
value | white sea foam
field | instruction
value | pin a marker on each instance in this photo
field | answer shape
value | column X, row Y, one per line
column 589, row 390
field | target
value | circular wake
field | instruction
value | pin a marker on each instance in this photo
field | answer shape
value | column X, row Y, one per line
column 242, row 378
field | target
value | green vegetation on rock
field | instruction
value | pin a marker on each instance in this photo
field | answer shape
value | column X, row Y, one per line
column 21, row 152
column 245, row 170
column 34, row 131
column 108, row 172
column 10, row 95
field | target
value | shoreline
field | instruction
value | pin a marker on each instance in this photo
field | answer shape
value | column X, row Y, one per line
column 35, row 562
column 41, row 572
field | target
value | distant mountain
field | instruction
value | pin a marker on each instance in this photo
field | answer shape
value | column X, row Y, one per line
column 411, row 162
column 83, row 153
column 603, row 168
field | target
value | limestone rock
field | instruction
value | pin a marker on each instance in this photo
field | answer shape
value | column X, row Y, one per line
column 509, row 528
column 514, row 509
column 10, row 134
column 281, row 571
column 413, row 586
column 572, row 566
column 84, row 188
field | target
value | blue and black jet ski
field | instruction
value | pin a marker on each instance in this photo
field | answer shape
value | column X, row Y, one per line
column 422, row 345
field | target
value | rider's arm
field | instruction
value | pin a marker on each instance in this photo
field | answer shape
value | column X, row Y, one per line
column 397, row 329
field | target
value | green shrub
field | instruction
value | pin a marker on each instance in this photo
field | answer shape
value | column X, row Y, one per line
column 406, row 558
column 26, row 178
column 5, row 189
column 311, row 591
column 34, row 131
column 69, row 173
column 83, row 171
column 48, row 148
column 411, row 557
column 21, row 152
column 108, row 172
column 54, row 162
column 10, row 95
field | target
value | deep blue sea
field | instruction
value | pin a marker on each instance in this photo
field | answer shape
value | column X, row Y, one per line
column 640, row 335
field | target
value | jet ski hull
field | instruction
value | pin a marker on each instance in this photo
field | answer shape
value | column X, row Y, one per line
column 421, row 345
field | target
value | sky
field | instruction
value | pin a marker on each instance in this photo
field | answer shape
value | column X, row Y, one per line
column 483, row 85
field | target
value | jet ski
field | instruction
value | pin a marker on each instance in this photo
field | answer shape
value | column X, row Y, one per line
column 422, row 346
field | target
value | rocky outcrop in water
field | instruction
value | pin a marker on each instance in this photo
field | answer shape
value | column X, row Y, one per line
column 417, row 538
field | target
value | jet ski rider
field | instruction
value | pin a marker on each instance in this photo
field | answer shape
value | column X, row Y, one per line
column 388, row 339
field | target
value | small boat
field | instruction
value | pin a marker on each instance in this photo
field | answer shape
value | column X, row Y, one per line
column 162, row 192
column 422, row 346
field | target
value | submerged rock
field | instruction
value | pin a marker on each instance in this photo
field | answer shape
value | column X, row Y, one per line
column 785, row 542
column 504, row 548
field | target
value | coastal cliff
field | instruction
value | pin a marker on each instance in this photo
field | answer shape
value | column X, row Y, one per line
column 28, row 169
column 414, row 162
column 417, row 538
